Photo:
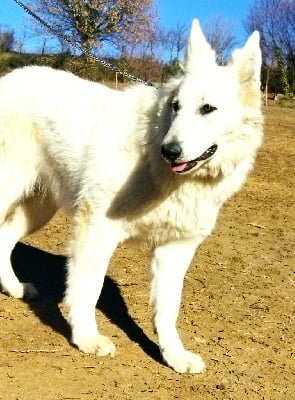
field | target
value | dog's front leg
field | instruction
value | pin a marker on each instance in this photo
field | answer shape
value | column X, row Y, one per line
column 94, row 242
column 169, row 265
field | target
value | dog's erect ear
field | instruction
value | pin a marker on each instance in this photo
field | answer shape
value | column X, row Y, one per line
column 199, row 51
column 247, row 61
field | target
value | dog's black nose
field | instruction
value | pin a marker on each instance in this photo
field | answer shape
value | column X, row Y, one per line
column 171, row 151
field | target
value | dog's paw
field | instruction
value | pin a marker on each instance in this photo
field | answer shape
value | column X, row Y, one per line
column 184, row 361
column 23, row 290
column 99, row 344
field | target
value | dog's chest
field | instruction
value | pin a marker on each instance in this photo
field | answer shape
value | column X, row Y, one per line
column 186, row 213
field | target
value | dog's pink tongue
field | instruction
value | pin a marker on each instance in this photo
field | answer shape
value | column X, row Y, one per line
column 178, row 167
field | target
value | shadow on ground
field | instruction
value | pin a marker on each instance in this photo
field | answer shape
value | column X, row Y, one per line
column 48, row 271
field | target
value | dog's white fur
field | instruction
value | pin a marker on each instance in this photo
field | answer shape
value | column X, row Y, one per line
column 68, row 142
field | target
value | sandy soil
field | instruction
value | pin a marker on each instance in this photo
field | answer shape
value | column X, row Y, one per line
column 238, row 308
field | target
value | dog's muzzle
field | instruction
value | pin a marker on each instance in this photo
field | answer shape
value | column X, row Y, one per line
column 172, row 151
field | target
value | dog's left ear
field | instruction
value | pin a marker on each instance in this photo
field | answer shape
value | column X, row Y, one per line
column 247, row 61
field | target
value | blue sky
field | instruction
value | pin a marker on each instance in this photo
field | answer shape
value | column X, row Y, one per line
column 171, row 12
column 205, row 10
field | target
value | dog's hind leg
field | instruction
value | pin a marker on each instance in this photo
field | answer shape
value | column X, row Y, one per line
column 11, row 230
column 13, row 222
column 169, row 265
column 23, row 218
column 23, row 208
column 95, row 239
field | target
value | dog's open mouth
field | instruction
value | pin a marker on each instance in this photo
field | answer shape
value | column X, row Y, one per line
column 186, row 166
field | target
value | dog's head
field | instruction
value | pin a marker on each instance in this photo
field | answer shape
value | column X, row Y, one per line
column 213, row 115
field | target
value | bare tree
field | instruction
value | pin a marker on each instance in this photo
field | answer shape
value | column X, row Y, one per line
column 22, row 36
column 263, row 16
column 174, row 40
column 90, row 23
column 220, row 34
column 7, row 39
column 275, row 20
column 138, row 43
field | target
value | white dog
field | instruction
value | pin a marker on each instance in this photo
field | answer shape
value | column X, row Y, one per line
column 154, row 164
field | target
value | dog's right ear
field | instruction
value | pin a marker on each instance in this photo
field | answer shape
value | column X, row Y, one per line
column 247, row 61
column 198, row 51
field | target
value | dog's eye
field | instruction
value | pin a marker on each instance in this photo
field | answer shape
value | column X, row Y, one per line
column 175, row 106
column 207, row 109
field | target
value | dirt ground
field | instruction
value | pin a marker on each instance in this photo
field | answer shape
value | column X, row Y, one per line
column 238, row 308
